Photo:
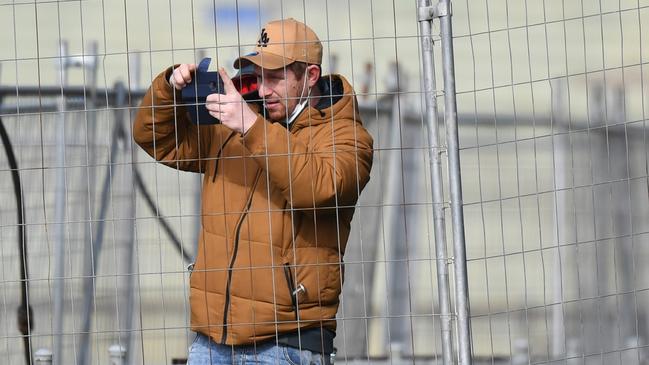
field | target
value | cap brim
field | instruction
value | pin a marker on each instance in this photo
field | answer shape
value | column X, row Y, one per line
column 264, row 60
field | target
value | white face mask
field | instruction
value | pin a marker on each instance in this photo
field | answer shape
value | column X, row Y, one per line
column 301, row 104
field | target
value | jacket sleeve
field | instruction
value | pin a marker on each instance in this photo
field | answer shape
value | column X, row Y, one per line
column 322, row 166
column 165, row 131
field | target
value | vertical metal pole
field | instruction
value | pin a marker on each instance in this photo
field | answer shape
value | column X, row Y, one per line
column 383, row 331
column 134, row 84
column 619, row 167
column 59, row 216
column 559, row 215
column 434, row 152
column 88, row 255
column 457, row 210
column 126, row 231
column 397, row 254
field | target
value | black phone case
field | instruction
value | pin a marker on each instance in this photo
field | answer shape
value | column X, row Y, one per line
column 193, row 95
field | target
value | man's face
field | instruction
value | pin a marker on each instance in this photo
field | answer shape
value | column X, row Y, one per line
column 280, row 90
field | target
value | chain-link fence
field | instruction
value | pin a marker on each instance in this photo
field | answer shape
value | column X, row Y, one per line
column 551, row 121
column 553, row 101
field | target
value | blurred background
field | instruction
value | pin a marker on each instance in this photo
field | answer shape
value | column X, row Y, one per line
column 552, row 99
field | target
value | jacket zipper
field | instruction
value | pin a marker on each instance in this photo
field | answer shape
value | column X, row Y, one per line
column 291, row 288
column 218, row 156
column 224, row 336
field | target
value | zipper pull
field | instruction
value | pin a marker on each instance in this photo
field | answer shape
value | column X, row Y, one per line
column 300, row 289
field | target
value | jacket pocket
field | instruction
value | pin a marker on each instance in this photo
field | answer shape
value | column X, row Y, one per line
column 292, row 292
column 317, row 273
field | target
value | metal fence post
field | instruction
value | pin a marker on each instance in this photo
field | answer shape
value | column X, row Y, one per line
column 126, row 227
column 560, row 152
column 457, row 210
column 59, row 214
column 90, row 65
column 434, row 151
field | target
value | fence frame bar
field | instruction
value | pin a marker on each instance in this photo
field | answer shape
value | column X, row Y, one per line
column 455, row 185
column 435, row 151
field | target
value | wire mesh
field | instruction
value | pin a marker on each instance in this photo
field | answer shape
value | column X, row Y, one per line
column 554, row 168
column 552, row 100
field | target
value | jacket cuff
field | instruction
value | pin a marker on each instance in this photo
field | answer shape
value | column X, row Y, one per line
column 163, row 90
column 255, row 137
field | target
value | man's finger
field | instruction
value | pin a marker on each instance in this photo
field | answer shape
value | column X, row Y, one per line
column 182, row 75
column 227, row 82
column 179, row 82
column 185, row 73
column 213, row 98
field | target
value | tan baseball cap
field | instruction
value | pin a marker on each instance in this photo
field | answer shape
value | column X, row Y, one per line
column 282, row 42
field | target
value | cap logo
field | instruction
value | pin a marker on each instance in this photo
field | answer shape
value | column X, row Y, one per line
column 263, row 39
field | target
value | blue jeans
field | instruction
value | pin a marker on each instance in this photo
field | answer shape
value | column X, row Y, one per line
column 204, row 351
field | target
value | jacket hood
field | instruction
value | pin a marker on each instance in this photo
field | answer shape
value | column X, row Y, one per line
column 337, row 99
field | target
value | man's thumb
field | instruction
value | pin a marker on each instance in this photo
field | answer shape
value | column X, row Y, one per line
column 227, row 82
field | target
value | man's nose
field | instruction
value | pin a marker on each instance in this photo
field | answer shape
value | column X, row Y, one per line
column 263, row 90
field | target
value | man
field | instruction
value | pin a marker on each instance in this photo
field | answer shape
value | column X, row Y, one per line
column 281, row 179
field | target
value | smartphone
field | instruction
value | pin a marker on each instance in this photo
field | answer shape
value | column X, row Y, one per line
column 195, row 93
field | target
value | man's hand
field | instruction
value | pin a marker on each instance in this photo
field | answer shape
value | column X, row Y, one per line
column 182, row 75
column 230, row 108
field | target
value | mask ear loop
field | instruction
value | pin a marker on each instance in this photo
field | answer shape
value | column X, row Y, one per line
column 301, row 104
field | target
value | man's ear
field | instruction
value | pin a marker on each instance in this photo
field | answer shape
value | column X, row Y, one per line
column 313, row 74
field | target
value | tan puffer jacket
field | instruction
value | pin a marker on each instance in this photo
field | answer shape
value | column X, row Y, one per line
column 276, row 210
